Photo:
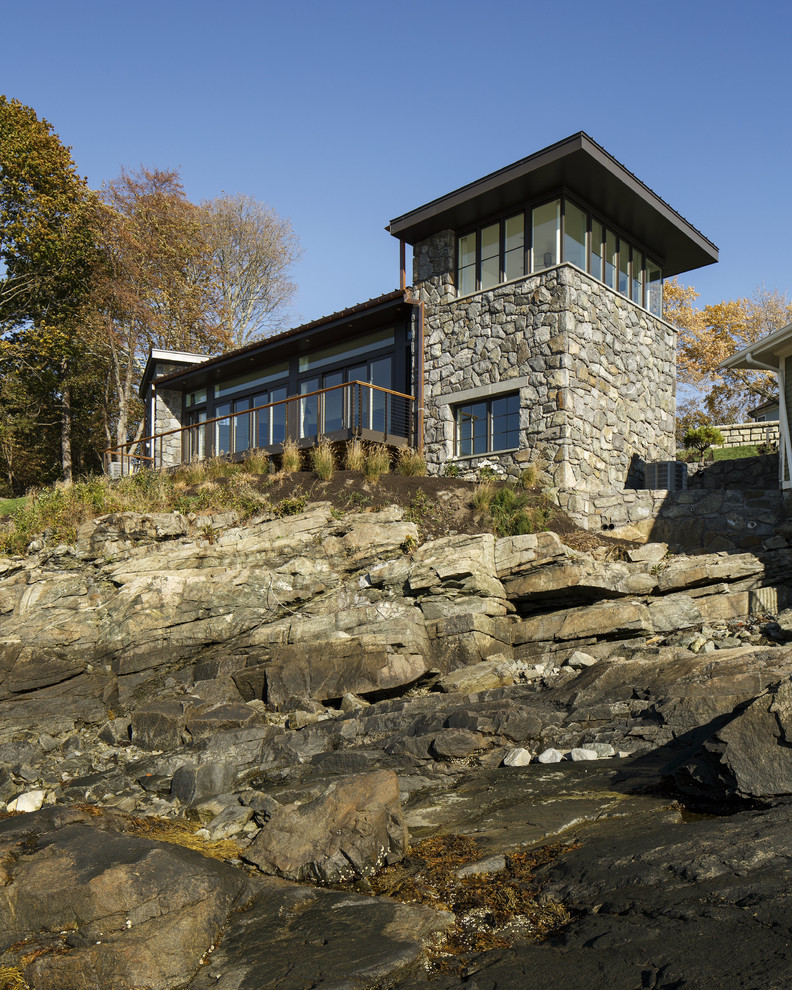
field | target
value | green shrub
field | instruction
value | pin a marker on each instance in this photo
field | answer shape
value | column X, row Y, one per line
column 322, row 460
column 512, row 515
column 410, row 462
column 451, row 470
column 377, row 461
column 702, row 438
column 355, row 456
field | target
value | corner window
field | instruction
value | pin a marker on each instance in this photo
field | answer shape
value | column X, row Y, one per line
column 534, row 240
column 488, row 425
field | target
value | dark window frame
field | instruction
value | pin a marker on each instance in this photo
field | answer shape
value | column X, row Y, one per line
column 488, row 400
column 624, row 242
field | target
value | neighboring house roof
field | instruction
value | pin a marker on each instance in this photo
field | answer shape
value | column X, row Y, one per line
column 579, row 165
column 764, row 355
column 354, row 317
column 769, row 405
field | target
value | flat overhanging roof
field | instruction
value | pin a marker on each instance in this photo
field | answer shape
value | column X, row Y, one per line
column 581, row 167
column 764, row 355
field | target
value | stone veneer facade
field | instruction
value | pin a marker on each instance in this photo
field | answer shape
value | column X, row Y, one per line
column 167, row 416
column 595, row 372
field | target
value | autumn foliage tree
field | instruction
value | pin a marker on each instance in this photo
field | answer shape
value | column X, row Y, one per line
column 708, row 336
column 157, row 285
column 47, row 251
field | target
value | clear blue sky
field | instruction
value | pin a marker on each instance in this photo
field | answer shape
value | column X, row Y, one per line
column 344, row 115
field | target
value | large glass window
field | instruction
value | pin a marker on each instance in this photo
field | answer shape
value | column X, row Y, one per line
column 488, row 425
column 546, row 235
column 490, row 256
column 222, row 443
column 597, row 244
column 575, row 226
column 241, row 431
column 636, row 282
column 497, row 252
column 466, row 272
column 494, row 255
column 514, row 247
column 624, row 267
column 251, row 380
column 348, row 349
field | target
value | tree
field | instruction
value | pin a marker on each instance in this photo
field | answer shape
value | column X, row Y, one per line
column 157, row 285
column 47, row 251
column 254, row 250
column 708, row 336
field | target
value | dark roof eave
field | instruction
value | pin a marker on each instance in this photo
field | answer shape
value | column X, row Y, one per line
column 370, row 307
column 580, row 165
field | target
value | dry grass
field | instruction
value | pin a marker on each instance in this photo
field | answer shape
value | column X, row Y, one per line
column 322, row 460
column 355, row 456
column 377, row 461
column 484, row 904
column 483, row 496
column 291, row 458
column 11, row 978
column 411, row 462
column 257, row 462
column 176, row 831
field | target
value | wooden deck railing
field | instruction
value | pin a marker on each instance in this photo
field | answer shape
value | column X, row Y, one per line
column 341, row 411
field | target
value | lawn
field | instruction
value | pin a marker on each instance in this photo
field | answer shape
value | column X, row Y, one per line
column 9, row 505
column 732, row 453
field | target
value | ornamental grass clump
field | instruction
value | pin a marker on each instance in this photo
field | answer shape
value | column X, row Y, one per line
column 291, row 459
column 355, row 456
column 483, row 495
column 256, row 462
column 410, row 462
column 377, row 461
column 322, row 460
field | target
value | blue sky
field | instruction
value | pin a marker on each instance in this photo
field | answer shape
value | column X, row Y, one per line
column 344, row 115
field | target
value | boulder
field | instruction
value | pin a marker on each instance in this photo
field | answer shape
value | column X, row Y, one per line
column 86, row 905
column 193, row 784
column 496, row 672
column 749, row 757
column 354, row 827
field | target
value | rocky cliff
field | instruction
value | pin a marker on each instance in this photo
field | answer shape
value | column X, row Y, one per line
column 295, row 696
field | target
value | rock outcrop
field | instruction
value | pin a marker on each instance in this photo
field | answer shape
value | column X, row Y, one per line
column 300, row 692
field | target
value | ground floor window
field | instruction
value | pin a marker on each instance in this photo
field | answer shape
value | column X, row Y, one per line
column 487, row 425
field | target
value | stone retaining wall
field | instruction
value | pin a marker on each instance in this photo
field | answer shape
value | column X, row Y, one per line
column 742, row 472
column 744, row 434
column 688, row 521
column 595, row 373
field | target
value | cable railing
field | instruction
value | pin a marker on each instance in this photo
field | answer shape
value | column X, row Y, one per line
column 353, row 409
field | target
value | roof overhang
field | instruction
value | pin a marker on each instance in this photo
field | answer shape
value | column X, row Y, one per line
column 371, row 315
column 764, row 355
column 579, row 166
column 156, row 355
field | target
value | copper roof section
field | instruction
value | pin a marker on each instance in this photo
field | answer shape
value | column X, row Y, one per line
column 579, row 166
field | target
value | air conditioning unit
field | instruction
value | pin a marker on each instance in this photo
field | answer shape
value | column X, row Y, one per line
column 668, row 475
column 114, row 469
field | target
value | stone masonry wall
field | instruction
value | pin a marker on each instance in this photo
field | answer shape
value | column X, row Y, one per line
column 744, row 434
column 689, row 521
column 167, row 416
column 595, row 373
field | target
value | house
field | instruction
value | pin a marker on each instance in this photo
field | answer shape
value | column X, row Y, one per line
column 767, row 412
column 532, row 333
column 773, row 353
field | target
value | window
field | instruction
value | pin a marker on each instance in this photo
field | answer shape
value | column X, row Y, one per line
column 492, row 255
column 488, row 425
column 501, row 251
column 252, row 380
